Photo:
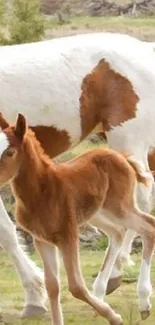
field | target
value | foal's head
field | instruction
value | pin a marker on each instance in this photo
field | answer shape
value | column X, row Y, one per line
column 11, row 141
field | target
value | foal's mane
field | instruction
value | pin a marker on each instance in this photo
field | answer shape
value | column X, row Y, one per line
column 33, row 147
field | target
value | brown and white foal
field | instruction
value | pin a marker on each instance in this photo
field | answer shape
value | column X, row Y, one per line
column 52, row 199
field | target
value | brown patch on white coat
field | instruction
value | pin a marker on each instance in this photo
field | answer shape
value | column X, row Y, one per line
column 107, row 97
column 52, row 140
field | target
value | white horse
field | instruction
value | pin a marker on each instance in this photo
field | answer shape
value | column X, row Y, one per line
column 68, row 87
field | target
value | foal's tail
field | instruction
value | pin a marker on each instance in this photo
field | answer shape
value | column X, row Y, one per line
column 141, row 175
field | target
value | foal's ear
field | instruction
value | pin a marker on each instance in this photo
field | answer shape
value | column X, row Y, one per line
column 3, row 123
column 21, row 126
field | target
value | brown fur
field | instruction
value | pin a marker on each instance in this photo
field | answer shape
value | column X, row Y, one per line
column 52, row 199
column 140, row 178
column 106, row 97
column 53, row 141
column 3, row 122
column 151, row 156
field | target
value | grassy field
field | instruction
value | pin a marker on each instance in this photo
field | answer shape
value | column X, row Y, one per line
column 142, row 27
column 124, row 300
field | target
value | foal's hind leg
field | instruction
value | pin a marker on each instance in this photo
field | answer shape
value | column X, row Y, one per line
column 123, row 257
column 70, row 253
column 31, row 276
column 145, row 202
column 115, row 235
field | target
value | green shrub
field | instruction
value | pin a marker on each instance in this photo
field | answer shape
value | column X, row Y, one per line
column 21, row 21
column 102, row 243
column 2, row 11
column 27, row 22
column 2, row 21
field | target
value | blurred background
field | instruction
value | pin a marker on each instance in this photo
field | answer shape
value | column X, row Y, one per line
column 26, row 21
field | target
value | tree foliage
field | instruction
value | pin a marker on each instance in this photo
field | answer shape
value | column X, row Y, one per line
column 24, row 23
column 2, row 21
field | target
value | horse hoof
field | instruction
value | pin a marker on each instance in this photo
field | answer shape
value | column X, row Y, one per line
column 33, row 311
column 117, row 320
column 145, row 314
column 113, row 284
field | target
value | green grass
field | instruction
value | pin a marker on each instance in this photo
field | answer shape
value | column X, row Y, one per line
column 83, row 146
column 90, row 22
column 124, row 300
column 142, row 27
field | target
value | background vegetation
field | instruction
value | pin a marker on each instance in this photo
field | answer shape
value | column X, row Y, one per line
column 27, row 21
column 21, row 21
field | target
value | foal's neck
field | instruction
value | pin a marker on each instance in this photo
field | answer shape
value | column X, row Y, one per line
column 34, row 170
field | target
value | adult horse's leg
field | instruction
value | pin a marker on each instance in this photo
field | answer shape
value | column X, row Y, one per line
column 30, row 275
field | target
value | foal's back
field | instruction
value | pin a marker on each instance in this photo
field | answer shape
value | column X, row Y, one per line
column 101, row 178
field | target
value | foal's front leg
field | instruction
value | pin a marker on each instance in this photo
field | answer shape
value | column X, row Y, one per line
column 70, row 253
column 49, row 257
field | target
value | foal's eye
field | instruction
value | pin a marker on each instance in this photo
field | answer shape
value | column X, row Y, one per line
column 10, row 153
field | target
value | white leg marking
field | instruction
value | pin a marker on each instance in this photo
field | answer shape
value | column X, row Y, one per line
column 115, row 238
column 116, row 272
column 144, row 224
column 30, row 275
column 145, row 201
column 144, row 287
column 127, row 247
column 100, row 283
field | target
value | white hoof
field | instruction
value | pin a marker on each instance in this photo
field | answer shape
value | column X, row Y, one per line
column 33, row 311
